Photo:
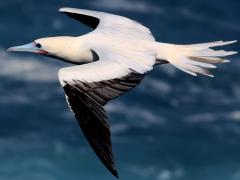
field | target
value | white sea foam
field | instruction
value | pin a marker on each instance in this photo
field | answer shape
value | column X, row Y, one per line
column 125, row 5
column 27, row 69
column 213, row 116
column 157, row 172
column 166, row 174
column 136, row 112
column 15, row 99
column 202, row 117
column 235, row 115
column 119, row 127
column 156, row 86
column 146, row 171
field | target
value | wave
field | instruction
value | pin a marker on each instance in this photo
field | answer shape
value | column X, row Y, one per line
column 152, row 171
column 221, row 22
column 27, row 69
column 15, row 99
column 153, row 85
column 144, row 114
column 133, row 6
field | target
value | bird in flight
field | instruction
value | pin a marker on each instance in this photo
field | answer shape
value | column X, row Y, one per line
column 111, row 60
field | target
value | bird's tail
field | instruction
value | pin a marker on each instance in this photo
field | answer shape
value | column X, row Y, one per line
column 195, row 58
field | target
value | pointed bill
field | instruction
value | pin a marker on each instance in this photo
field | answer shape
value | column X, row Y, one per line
column 31, row 47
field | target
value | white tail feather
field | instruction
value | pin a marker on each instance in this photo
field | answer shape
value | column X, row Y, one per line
column 195, row 58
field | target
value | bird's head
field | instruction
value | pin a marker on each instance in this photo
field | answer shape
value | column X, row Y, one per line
column 63, row 48
column 39, row 46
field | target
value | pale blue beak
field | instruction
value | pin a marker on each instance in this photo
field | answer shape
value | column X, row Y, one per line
column 31, row 47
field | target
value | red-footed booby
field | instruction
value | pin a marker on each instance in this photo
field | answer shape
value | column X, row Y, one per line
column 111, row 60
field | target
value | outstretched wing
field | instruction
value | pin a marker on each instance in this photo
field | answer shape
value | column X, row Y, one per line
column 109, row 23
column 86, row 100
column 90, row 86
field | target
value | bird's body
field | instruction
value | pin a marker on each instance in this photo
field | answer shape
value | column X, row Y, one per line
column 111, row 60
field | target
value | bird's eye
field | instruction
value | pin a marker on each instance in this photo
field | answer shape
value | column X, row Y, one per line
column 38, row 45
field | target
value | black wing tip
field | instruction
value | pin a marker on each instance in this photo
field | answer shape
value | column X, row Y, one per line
column 115, row 173
column 86, row 19
column 111, row 169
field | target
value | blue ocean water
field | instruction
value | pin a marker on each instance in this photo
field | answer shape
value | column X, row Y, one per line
column 171, row 127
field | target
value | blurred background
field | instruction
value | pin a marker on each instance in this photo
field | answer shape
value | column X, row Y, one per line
column 171, row 127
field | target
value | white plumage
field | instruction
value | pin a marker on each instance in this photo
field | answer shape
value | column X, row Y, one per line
column 111, row 60
column 196, row 58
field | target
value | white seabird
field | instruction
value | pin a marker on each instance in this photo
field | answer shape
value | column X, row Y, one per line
column 111, row 60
